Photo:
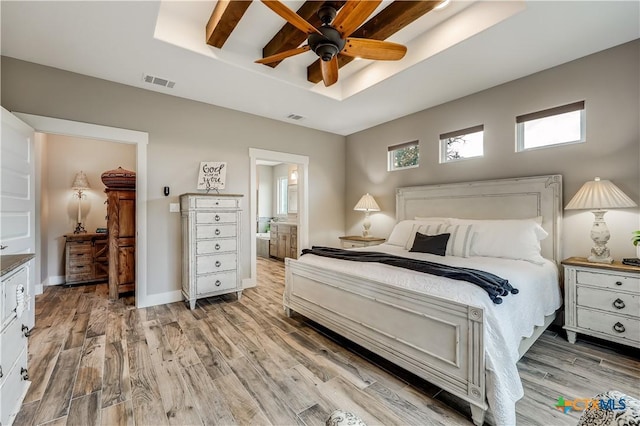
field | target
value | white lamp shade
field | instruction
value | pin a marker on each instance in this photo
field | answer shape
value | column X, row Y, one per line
column 367, row 204
column 80, row 182
column 600, row 194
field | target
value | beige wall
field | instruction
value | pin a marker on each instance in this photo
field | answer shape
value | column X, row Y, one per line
column 65, row 156
column 181, row 134
column 608, row 82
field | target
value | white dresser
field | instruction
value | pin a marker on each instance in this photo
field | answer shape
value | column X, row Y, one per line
column 210, row 245
column 602, row 300
column 16, row 311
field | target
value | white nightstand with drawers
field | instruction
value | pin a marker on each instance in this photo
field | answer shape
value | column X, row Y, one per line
column 352, row 241
column 602, row 300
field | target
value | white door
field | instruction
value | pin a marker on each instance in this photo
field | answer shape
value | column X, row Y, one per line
column 17, row 193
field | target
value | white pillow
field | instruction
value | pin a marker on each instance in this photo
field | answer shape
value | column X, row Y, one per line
column 424, row 228
column 459, row 242
column 511, row 239
column 402, row 231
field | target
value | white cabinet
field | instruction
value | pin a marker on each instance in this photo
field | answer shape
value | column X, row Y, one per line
column 602, row 300
column 210, row 245
column 15, row 309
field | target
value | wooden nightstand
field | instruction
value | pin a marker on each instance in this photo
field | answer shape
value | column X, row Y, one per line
column 602, row 300
column 352, row 241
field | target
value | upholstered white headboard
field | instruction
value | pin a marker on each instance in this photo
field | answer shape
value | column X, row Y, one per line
column 517, row 198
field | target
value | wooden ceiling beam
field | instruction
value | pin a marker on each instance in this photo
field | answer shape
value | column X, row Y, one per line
column 389, row 21
column 289, row 37
column 223, row 21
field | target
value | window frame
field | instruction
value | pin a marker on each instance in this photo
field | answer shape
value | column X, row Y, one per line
column 466, row 131
column 391, row 157
column 546, row 113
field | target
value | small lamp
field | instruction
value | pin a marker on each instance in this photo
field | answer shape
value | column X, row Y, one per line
column 80, row 184
column 599, row 195
column 366, row 204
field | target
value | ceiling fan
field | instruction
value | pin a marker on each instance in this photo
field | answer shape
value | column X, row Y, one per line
column 332, row 37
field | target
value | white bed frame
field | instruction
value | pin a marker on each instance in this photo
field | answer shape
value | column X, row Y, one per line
column 434, row 338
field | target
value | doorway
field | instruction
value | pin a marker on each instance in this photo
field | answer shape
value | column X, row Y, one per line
column 57, row 126
column 301, row 164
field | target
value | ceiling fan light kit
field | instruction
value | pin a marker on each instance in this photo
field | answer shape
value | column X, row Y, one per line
column 331, row 38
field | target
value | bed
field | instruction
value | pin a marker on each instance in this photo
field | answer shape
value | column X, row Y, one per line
column 449, row 334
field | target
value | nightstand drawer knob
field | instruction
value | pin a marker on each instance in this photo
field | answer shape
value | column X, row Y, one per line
column 218, row 283
column 618, row 304
column 619, row 327
column 218, row 264
column 217, row 232
column 217, row 218
column 618, row 282
column 217, row 246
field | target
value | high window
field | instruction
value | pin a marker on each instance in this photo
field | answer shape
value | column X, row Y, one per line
column 462, row 144
column 403, row 156
column 553, row 126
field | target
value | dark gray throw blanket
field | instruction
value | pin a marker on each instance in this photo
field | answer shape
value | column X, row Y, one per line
column 492, row 284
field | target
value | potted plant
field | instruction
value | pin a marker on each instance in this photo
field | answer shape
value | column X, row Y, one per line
column 635, row 239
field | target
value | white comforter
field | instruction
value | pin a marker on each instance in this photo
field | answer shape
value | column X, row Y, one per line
column 505, row 324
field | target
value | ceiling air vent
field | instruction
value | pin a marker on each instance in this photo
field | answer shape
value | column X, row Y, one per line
column 294, row 117
column 158, row 81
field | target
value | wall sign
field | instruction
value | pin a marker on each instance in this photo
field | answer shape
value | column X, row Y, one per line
column 212, row 175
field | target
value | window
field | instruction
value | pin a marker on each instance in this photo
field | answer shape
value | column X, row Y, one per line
column 461, row 144
column 403, row 156
column 282, row 197
column 554, row 126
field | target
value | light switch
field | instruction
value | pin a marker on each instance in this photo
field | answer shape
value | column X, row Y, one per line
column 174, row 207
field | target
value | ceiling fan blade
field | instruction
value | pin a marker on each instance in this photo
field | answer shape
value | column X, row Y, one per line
column 353, row 14
column 291, row 17
column 283, row 55
column 329, row 71
column 373, row 49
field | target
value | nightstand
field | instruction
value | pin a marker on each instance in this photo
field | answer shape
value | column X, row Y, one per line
column 602, row 300
column 352, row 241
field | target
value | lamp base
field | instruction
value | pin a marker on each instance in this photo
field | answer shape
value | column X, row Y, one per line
column 600, row 235
column 79, row 229
column 600, row 259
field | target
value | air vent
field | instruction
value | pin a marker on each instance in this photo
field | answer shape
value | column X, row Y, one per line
column 158, row 81
column 294, row 117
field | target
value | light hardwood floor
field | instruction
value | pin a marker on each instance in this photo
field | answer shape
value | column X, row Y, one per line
column 227, row 362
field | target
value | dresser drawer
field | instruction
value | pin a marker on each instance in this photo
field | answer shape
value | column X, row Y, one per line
column 79, row 247
column 215, row 246
column 216, row 263
column 12, row 389
column 611, row 280
column 614, row 325
column 215, row 217
column 215, row 231
column 10, row 287
column 216, row 282
column 208, row 203
column 607, row 300
column 12, row 342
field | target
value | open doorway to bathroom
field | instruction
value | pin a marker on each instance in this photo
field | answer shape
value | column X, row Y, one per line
column 278, row 206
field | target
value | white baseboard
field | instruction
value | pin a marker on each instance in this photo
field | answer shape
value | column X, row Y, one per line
column 39, row 289
column 248, row 283
column 159, row 299
column 55, row 280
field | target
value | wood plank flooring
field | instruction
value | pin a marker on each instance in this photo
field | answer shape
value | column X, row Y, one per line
column 95, row 362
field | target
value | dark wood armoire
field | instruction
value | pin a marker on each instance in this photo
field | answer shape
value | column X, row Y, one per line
column 121, row 224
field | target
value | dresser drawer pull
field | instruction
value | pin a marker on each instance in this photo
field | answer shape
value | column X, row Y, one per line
column 24, row 373
column 619, row 327
column 618, row 304
column 218, row 264
column 217, row 232
column 218, row 283
column 217, row 246
column 25, row 331
column 217, row 218
column 618, row 282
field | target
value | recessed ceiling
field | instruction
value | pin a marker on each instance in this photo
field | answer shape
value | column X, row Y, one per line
column 462, row 49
